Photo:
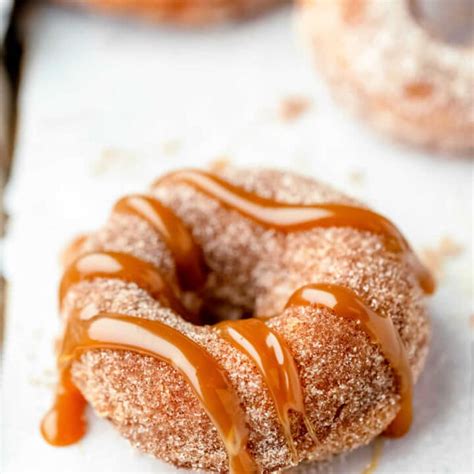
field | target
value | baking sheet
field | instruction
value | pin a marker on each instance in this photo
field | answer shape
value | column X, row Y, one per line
column 108, row 104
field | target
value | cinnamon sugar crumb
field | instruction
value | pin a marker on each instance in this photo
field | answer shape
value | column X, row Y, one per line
column 292, row 108
column 171, row 147
column 436, row 257
column 219, row 164
column 111, row 159
column 357, row 177
column 449, row 247
column 42, row 383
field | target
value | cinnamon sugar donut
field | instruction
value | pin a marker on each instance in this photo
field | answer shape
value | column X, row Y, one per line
column 325, row 365
column 383, row 65
column 191, row 12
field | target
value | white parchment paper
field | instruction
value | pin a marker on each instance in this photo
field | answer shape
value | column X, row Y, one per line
column 107, row 105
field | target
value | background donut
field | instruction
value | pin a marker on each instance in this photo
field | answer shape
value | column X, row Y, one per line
column 381, row 64
column 191, row 12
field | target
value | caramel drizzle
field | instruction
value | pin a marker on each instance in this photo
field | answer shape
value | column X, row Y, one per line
column 187, row 255
column 65, row 424
column 124, row 267
column 158, row 340
column 299, row 217
column 72, row 250
column 345, row 304
column 117, row 266
column 275, row 363
column 377, row 450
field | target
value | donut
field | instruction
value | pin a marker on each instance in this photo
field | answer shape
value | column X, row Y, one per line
column 240, row 321
column 190, row 12
column 383, row 65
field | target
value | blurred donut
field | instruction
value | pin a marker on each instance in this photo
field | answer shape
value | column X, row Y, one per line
column 383, row 65
column 190, row 12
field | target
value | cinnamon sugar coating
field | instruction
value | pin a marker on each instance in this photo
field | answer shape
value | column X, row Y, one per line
column 382, row 65
column 187, row 12
column 350, row 390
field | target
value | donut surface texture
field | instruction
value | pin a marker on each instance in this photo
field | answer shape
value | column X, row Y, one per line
column 350, row 390
column 186, row 12
column 381, row 64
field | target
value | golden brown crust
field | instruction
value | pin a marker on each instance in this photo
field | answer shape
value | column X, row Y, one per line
column 382, row 65
column 349, row 388
column 188, row 12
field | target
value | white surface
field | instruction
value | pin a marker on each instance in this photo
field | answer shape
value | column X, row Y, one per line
column 5, row 12
column 103, row 102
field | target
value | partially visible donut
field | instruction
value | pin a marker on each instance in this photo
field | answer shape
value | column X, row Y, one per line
column 327, row 370
column 383, row 65
column 191, row 12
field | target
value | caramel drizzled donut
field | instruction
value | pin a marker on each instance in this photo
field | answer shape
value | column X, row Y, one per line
column 383, row 65
column 326, row 364
column 188, row 12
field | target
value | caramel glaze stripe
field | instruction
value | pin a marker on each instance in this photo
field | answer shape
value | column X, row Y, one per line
column 65, row 422
column 299, row 217
column 277, row 367
column 187, row 255
column 73, row 250
column 346, row 304
column 198, row 367
column 121, row 266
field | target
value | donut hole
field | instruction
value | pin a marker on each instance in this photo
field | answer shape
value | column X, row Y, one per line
column 449, row 21
column 213, row 311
